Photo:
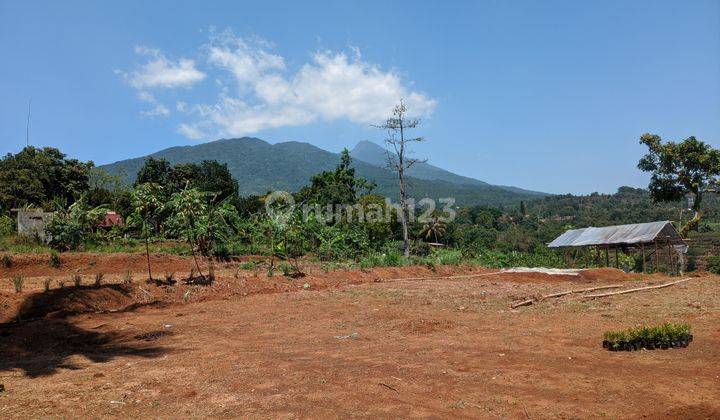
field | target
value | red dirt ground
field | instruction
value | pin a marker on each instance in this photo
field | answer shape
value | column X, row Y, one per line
column 350, row 343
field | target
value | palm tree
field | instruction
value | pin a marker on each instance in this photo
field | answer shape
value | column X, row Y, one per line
column 434, row 228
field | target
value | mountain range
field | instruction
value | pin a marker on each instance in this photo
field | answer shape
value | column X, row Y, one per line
column 260, row 167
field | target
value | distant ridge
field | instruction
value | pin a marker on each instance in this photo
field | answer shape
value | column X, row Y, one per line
column 374, row 154
column 260, row 167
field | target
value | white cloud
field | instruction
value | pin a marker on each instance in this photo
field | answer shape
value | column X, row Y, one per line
column 256, row 90
column 331, row 86
column 191, row 131
column 159, row 71
column 146, row 96
column 160, row 110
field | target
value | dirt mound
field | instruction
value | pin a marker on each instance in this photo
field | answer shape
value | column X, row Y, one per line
column 75, row 300
column 583, row 276
column 35, row 265
column 608, row 274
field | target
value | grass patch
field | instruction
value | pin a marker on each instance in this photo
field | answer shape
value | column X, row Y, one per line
column 665, row 336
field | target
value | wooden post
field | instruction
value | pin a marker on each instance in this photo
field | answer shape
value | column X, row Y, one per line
column 657, row 257
column 642, row 250
column 669, row 261
column 617, row 264
column 607, row 255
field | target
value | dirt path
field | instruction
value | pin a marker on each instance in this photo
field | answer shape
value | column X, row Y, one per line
column 437, row 348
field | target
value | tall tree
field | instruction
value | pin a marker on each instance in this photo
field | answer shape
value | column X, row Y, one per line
column 340, row 186
column 38, row 176
column 688, row 168
column 398, row 160
column 147, row 205
column 209, row 176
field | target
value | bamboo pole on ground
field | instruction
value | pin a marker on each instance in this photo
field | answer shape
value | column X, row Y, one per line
column 639, row 289
column 565, row 293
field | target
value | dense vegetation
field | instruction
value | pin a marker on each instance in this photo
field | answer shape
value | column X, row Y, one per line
column 197, row 209
column 260, row 167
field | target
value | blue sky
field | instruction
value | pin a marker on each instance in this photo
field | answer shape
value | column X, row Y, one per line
column 549, row 95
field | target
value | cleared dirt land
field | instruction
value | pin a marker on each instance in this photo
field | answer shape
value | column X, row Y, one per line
column 347, row 343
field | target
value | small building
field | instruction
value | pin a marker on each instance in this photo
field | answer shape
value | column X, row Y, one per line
column 654, row 240
column 110, row 220
column 31, row 222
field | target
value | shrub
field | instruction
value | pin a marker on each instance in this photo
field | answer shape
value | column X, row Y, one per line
column 420, row 248
column 169, row 278
column 98, row 279
column 55, row 261
column 7, row 225
column 7, row 260
column 286, row 268
column 392, row 258
column 664, row 336
column 47, row 283
column 496, row 259
column 248, row 265
column 713, row 264
column 18, row 282
column 448, row 256
column 66, row 234
column 343, row 241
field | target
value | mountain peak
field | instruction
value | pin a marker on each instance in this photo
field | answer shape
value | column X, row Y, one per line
column 260, row 166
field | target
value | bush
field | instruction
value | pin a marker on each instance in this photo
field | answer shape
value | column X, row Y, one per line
column 496, row 259
column 7, row 260
column 447, row 256
column 393, row 258
column 665, row 336
column 18, row 282
column 7, row 225
column 713, row 264
column 55, row 261
column 47, row 282
column 65, row 233
column 342, row 242
column 420, row 248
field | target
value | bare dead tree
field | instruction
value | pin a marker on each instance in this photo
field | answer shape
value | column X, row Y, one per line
column 397, row 159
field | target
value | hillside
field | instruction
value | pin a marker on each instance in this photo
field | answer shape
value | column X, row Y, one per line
column 260, row 167
column 627, row 205
column 374, row 154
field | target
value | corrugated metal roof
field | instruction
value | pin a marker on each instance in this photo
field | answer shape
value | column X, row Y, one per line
column 622, row 234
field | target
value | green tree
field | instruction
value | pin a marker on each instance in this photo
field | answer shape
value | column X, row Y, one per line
column 690, row 167
column 71, row 228
column 38, row 176
column 340, row 186
column 204, row 223
column 155, row 171
column 209, row 176
column 433, row 228
column 147, row 204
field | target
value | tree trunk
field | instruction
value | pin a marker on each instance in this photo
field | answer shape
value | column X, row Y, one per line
column 693, row 223
column 403, row 202
column 147, row 254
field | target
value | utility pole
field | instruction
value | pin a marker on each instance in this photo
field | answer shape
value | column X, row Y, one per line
column 27, row 129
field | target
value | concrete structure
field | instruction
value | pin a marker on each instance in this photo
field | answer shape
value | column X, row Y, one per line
column 31, row 222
